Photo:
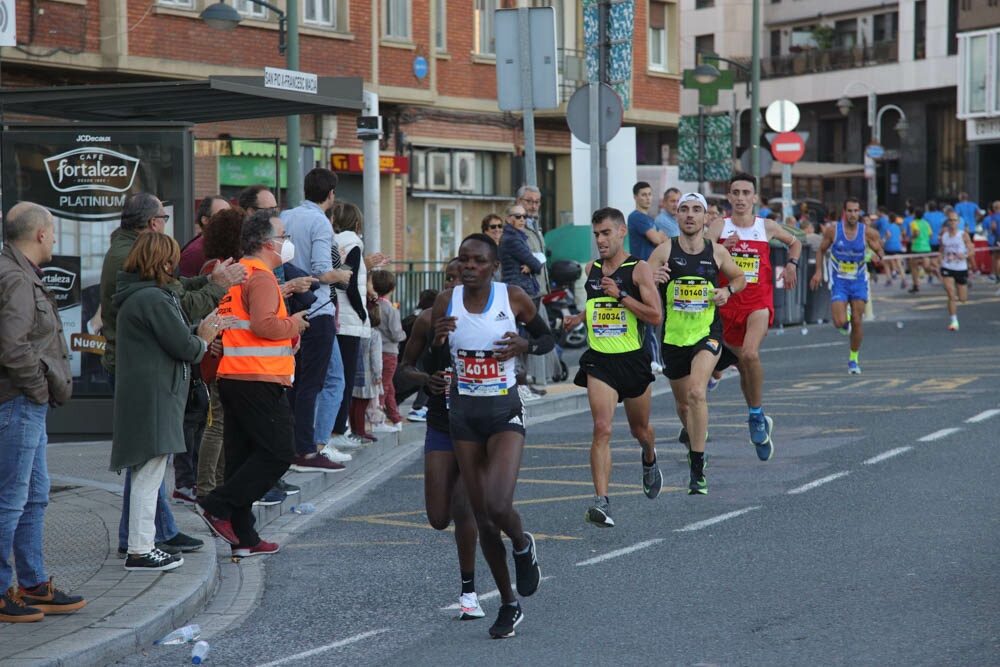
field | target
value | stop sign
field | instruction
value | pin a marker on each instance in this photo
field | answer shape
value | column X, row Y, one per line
column 788, row 147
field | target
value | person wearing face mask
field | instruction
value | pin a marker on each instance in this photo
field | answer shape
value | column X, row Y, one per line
column 254, row 376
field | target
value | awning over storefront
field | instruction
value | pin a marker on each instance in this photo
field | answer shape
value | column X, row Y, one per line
column 218, row 98
column 805, row 169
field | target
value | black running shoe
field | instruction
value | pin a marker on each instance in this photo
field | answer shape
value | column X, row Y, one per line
column 528, row 571
column 180, row 542
column 154, row 561
column 652, row 480
column 682, row 437
column 508, row 618
column 289, row 489
column 697, row 485
column 599, row 513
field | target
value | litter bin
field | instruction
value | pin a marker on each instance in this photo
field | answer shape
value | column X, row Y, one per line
column 789, row 304
column 817, row 300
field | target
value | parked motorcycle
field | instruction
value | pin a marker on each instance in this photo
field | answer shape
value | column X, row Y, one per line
column 560, row 303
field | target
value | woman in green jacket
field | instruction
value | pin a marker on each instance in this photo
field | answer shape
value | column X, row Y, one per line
column 155, row 344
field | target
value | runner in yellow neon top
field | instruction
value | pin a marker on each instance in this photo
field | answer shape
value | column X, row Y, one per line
column 621, row 300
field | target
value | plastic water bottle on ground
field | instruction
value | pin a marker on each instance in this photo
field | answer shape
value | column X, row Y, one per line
column 304, row 508
column 780, row 330
column 899, row 325
column 188, row 633
column 805, row 331
column 199, row 653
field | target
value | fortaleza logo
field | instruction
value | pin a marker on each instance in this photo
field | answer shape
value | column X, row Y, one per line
column 57, row 279
column 91, row 169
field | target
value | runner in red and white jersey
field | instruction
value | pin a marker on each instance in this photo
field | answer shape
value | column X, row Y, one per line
column 746, row 317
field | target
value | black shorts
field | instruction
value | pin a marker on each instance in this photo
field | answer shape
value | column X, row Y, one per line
column 628, row 373
column 677, row 360
column 961, row 277
column 476, row 418
column 726, row 359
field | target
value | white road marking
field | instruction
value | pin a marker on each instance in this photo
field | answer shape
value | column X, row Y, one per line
column 886, row 455
column 323, row 649
column 483, row 596
column 804, row 347
column 937, row 435
column 819, row 482
column 698, row 525
column 619, row 552
column 982, row 416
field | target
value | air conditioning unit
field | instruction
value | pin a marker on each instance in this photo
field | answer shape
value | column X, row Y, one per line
column 418, row 170
column 463, row 171
column 439, row 171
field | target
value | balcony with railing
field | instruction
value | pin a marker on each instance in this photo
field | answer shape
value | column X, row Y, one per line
column 812, row 61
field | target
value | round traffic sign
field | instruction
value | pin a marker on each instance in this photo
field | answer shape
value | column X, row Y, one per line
column 782, row 115
column 609, row 109
column 874, row 151
column 788, row 147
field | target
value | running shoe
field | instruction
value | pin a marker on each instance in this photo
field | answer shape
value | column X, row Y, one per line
column 953, row 326
column 845, row 330
column 274, row 496
column 526, row 394
column 684, row 438
column 387, row 427
column 760, row 435
column 599, row 513
column 335, row 454
column 470, row 608
column 652, row 480
column 154, row 561
column 528, row 572
column 853, row 368
column 704, row 461
column 50, row 600
column 508, row 618
column 262, row 548
column 220, row 527
column 289, row 489
column 697, row 486
column 417, row 415
column 185, row 495
column 655, row 368
column 713, row 383
column 344, row 442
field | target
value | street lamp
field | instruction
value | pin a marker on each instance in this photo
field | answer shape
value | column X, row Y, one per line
column 844, row 105
column 221, row 16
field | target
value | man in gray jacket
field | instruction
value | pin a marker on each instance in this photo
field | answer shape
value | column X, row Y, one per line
column 34, row 373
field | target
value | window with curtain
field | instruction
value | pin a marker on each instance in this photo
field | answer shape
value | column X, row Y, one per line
column 440, row 29
column 483, row 36
column 658, row 58
column 320, row 12
column 397, row 18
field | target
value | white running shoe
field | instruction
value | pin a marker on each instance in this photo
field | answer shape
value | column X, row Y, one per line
column 387, row 427
column 470, row 609
column 343, row 442
column 655, row 368
column 335, row 454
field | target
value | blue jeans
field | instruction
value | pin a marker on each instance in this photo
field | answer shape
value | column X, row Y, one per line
column 311, row 365
column 328, row 401
column 24, row 490
column 166, row 527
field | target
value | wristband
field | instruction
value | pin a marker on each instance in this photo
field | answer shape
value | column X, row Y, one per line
column 792, row 260
column 730, row 288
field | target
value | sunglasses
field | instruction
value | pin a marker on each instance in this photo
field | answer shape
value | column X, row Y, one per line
column 495, row 227
column 519, row 216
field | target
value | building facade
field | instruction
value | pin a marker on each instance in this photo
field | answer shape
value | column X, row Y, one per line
column 449, row 156
column 899, row 53
column 979, row 95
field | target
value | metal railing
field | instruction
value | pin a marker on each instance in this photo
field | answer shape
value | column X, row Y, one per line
column 828, row 60
column 412, row 278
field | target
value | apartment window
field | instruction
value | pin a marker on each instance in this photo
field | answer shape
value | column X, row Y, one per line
column 483, row 25
column 320, row 12
column 975, row 79
column 946, row 148
column 919, row 30
column 845, row 34
column 440, row 10
column 396, row 14
column 704, row 4
column 703, row 44
column 886, row 27
column 658, row 42
column 952, row 28
column 179, row 4
column 775, row 43
column 249, row 9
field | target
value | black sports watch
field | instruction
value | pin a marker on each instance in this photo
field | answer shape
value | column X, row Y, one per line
column 622, row 294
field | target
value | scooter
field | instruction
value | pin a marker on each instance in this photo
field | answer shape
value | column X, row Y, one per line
column 560, row 303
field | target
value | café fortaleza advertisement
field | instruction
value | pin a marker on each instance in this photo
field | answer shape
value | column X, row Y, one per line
column 83, row 175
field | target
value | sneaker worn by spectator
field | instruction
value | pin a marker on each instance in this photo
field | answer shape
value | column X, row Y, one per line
column 315, row 463
column 335, row 454
column 526, row 567
column 220, row 527
column 154, row 561
column 274, row 496
column 388, row 427
column 185, row 495
column 180, row 542
column 289, row 489
column 50, row 600
column 417, row 415
column 262, row 548
column 344, row 442
column 13, row 609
